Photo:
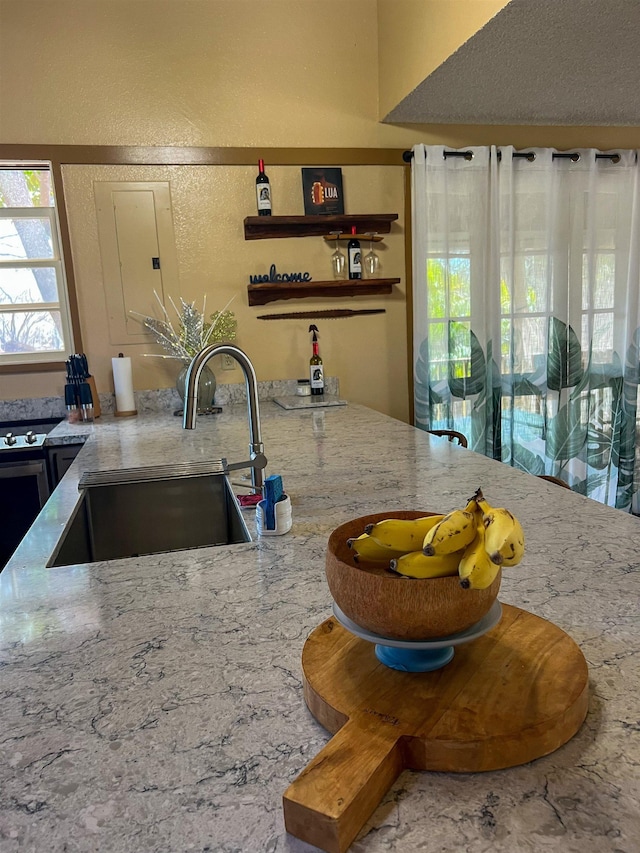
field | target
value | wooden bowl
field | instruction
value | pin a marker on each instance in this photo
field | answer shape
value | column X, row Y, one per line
column 393, row 606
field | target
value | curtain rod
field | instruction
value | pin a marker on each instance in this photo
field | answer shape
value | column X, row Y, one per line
column 407, row 156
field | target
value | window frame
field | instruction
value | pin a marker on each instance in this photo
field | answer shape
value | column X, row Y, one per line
column 42, row 360
column 56, row 261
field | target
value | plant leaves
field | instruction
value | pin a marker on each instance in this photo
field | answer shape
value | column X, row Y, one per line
column 422, row 365
column 460, row 337
column 590, row 484
column 566, row 433
column 527, row 461
column 623, row 417
column 598, row 448
column 494, row 409
column 522, row 386
column 421, row 386
column 564, row 359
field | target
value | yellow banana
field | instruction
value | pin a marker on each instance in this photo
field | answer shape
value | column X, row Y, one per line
column 368, row 550
column 504, row 537
column 402, row 534
column 416, row 565
column 455, row 531
column 476, row 570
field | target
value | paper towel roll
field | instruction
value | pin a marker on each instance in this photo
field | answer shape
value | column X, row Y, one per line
column 123, row 384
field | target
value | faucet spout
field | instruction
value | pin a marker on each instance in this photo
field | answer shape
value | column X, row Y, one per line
column 257, row 460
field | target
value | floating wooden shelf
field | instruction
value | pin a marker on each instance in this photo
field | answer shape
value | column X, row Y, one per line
column 260, row 294
column 267, row 227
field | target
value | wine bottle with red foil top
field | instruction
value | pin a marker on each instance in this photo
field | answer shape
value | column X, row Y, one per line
column 263, row 191
column 316, row 374
column 354, row 255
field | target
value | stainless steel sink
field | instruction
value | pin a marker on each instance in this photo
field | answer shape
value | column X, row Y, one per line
column 150, row 511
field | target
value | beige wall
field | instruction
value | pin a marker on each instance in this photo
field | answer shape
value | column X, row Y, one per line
column 209, row 205
column 416, row 36
column 230, row 73
column 265, row 73
column 191, row 72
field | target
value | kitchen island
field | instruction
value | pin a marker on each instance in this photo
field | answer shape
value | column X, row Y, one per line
column 155, row 703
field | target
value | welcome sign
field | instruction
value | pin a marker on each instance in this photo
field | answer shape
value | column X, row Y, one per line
column 274, row 276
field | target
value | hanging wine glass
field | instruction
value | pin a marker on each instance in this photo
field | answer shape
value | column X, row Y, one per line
column 338, row 259
column 371, row 259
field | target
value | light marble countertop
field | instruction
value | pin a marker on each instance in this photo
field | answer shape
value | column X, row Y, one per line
column 155, row 704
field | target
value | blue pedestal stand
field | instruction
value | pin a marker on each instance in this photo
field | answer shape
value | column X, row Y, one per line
column 414, row 660
column 424, row 655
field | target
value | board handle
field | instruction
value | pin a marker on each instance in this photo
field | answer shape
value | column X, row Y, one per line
column 330, row 801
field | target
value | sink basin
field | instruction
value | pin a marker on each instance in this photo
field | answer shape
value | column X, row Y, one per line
column 150, row 511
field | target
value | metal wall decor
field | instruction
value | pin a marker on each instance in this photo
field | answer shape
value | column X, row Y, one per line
column 274, row 276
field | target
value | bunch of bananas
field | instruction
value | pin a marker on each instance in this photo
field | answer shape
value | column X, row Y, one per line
column 473, row 543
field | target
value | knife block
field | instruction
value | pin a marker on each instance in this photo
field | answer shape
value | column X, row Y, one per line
column 97, row 411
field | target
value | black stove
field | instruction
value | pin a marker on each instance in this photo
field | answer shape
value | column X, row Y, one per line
column 24, row 478
column 20, row 436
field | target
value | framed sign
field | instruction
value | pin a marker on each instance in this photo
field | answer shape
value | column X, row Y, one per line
column 322, row 190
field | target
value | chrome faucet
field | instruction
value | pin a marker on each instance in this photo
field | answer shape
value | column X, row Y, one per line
column 257, row 460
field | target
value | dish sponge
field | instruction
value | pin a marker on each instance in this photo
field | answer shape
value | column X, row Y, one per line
column 273, row 492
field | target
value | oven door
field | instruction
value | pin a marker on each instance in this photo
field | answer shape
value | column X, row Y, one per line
column 24, row 489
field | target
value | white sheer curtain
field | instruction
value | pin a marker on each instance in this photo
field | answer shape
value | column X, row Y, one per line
column 527, row 309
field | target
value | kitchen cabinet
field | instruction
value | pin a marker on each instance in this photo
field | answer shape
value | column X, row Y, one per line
column 59, row 461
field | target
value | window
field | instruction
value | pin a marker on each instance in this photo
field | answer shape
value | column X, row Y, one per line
column 35, row 324
column 526, row 335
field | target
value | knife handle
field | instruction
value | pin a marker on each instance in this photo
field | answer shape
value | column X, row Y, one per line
column 97, row 411
column 70, row 397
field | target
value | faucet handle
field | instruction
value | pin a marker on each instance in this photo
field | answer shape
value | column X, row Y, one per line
column 258, row 461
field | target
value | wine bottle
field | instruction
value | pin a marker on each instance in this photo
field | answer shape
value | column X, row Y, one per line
column 316, row 376
column 354, row 255
column 263, row 191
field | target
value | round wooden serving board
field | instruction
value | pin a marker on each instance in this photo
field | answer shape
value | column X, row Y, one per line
column 510, row 696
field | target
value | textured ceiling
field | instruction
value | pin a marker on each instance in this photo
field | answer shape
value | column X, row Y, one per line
column 538, row 62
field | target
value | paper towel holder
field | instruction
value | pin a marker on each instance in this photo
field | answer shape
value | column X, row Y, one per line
column 127, row 413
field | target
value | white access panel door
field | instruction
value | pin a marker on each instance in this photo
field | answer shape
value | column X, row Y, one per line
column 137, row 246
